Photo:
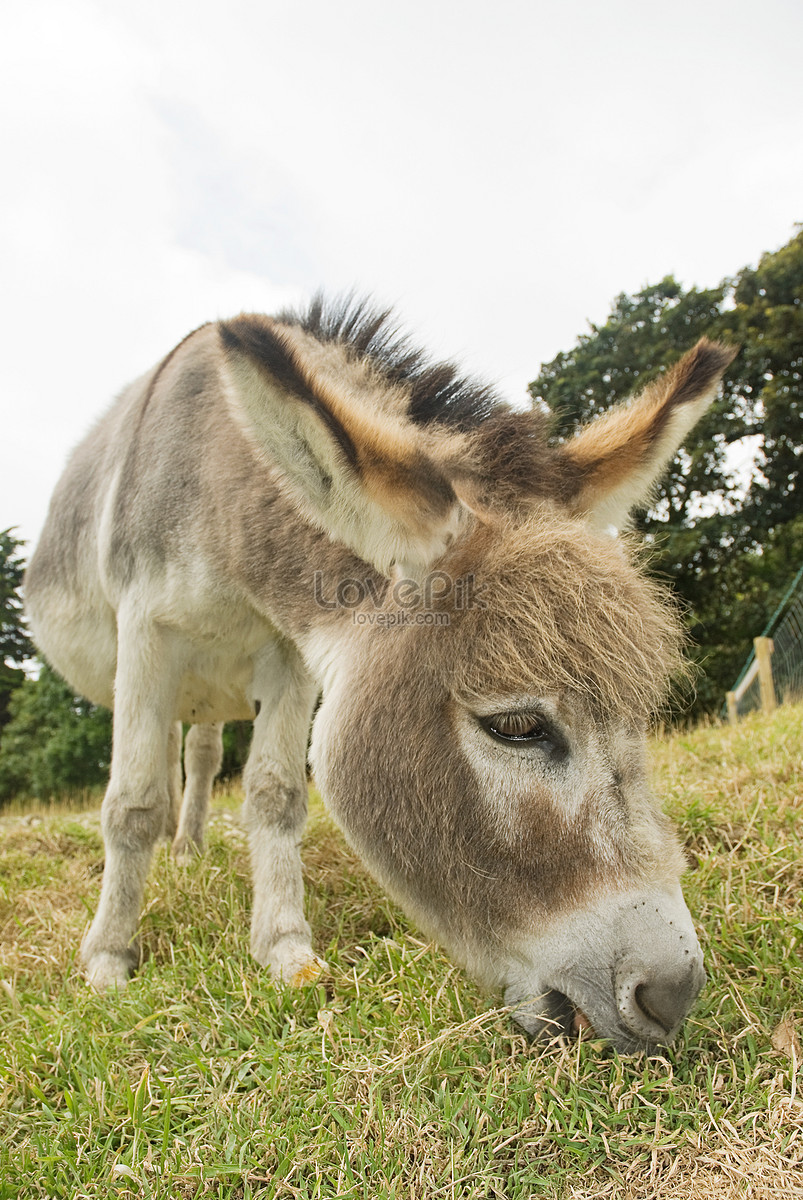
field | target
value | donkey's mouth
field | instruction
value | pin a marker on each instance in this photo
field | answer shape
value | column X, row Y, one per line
column 581, row 1026
column 552, row 1015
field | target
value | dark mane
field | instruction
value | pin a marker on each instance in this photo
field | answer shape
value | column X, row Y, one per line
column 438, row 392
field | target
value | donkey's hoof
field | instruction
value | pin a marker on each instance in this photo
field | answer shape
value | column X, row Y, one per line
column 185, row 849
column 293, row 964
column 310, row 972
column 106, row 971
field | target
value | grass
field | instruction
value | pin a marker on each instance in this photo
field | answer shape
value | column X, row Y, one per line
column 398, row 1079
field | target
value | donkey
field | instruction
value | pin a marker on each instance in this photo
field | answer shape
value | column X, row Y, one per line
column 306, row 504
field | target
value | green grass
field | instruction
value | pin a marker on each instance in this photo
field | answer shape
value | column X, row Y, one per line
column 398, row 1078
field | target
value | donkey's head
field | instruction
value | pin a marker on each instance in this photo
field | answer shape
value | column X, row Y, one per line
column 482, row 733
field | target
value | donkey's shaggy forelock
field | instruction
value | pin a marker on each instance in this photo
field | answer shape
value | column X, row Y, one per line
column 560, row 607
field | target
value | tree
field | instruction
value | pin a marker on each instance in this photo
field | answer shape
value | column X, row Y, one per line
column 727, row 546
column 767, row 319
column 54, row 741
column 15, row 645
column 51, row 741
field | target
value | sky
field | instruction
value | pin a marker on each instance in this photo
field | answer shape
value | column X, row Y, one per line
column 498, row 172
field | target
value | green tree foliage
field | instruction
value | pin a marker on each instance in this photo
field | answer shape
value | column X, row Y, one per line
column 728, row 541
column 767, row 320
column 51, row 741
column 236, row 743
column 15, row 645
column 54, row 742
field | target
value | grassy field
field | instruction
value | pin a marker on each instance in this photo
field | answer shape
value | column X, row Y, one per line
column 397, row 1078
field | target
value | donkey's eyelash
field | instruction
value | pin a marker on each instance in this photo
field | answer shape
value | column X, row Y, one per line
column 518, row 725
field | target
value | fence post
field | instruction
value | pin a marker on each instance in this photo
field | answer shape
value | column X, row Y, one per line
column 733, row 709
column 764, row 648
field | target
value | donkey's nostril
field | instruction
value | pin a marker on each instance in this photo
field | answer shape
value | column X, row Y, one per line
column 659, row 1004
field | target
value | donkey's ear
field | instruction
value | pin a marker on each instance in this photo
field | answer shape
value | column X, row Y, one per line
column 612, row 465
column 361, row 475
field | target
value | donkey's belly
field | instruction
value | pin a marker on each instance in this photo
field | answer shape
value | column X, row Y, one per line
column 78, row 636
column 204, row 699
column 219, row 684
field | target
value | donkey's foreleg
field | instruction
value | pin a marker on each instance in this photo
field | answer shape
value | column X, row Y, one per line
column 203, row 754
column 175, row 779
column 136, row 804
column 275, row 811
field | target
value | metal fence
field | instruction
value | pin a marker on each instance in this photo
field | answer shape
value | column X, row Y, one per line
column 774, row 671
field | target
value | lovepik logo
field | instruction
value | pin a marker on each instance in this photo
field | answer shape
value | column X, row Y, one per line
column 436, row 592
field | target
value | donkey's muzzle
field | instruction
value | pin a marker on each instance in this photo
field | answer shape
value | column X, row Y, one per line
column 652, row 1004
column 628, row 972
column 650, row 1009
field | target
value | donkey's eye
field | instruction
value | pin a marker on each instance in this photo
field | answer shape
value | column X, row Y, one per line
column 521, row 729
column 529, row 730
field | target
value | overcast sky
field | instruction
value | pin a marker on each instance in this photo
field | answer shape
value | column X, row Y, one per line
column 498, row 171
